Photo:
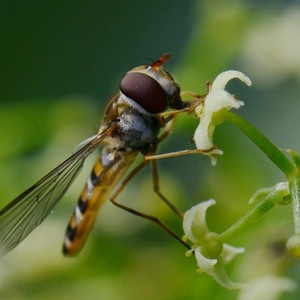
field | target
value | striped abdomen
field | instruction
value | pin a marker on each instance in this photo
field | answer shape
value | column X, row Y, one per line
column 105, row 175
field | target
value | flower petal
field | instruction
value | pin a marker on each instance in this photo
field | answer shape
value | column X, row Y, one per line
column 212, row 110
column 229, row 252
column 194, row 221
column 210, row 254
column 222, row 278
column 205, row 264
column 211, row 115
column 223, row 78
column 216, row 269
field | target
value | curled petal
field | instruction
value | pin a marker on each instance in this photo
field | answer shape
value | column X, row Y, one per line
column 211, row 115
column 213, row 155
column 205, row 264
column 211, row 112
column 194, row 221
column 229, row 252
column 223, row 78
column 216, row 267
column 221, row 277
column 210, row 254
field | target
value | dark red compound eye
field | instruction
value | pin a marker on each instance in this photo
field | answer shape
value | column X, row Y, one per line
column 145, row 91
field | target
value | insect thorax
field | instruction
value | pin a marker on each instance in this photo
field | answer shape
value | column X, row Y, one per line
column 138, row 131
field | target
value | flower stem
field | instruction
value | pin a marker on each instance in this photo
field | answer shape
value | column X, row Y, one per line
column 294, row 190
column 290, row 170
column 250, row 218
column 262, row 142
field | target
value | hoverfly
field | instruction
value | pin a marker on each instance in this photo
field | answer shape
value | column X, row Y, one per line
column 131, row 124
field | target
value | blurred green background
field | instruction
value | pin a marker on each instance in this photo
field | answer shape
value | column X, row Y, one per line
column 60, row 62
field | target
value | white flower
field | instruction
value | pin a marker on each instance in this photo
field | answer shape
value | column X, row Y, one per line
column 211, row 255
column 211, row 112
column 267, row 288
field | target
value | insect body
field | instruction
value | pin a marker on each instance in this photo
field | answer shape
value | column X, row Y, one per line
column 131, row 125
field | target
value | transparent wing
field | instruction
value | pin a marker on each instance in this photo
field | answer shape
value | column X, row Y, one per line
column 29, row 209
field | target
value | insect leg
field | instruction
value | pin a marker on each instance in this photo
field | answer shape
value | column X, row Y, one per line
column 155, row 178
column 175, row 153
column 138, row 213
column 156, row 188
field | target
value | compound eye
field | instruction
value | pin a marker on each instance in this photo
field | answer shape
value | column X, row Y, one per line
column 145, row 91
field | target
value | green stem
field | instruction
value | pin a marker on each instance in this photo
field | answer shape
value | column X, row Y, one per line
column 251, row 217
column 294, row 190
column 262, row 142
column 282, row 162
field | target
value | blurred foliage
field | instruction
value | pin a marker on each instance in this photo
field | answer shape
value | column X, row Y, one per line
column 59, row 59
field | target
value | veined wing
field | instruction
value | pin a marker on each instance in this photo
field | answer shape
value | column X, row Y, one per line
column 29, row 209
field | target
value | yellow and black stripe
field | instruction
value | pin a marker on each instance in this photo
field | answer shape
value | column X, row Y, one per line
column 97, row 189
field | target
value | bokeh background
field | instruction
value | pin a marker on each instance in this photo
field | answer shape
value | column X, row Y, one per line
column 60, row 62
